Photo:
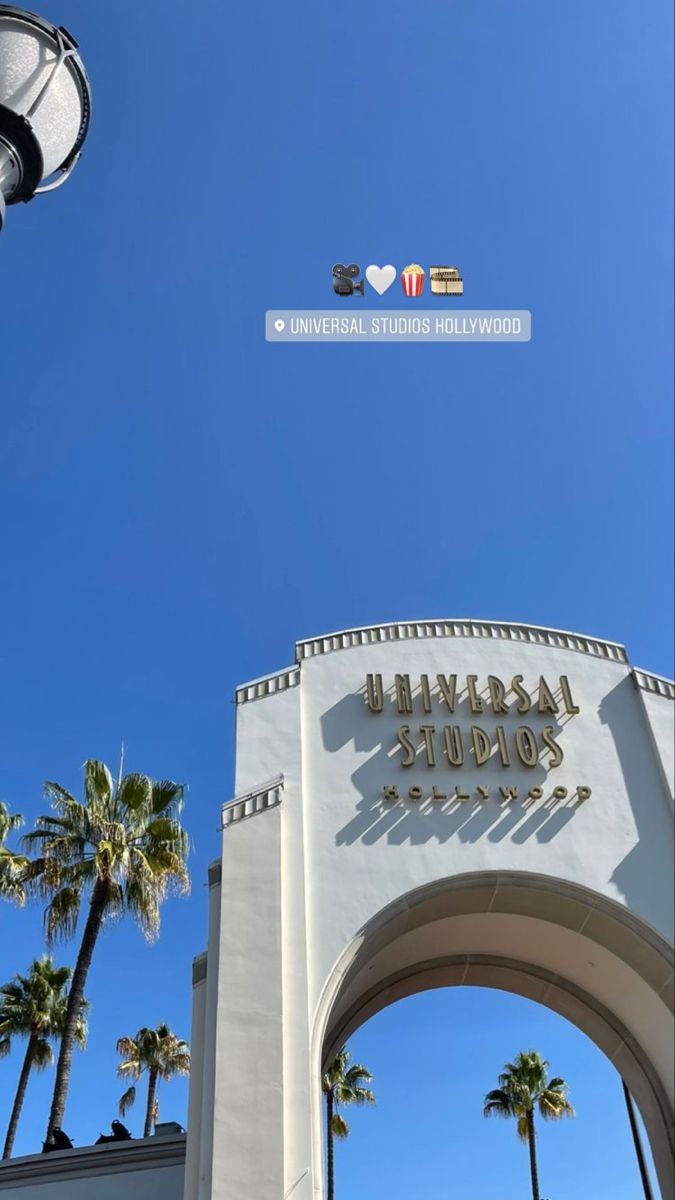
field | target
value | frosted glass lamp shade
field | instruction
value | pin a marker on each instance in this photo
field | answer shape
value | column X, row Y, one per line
column 45, row 104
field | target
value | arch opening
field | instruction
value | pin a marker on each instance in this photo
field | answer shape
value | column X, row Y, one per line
column 553, row 942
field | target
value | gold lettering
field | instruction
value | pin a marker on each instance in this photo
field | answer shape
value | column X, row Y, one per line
column 509, row 793
column 427, row 732
column 403, row 693
column 525, row 703
column 503, row 748
column 475, row 702
column 484, row 792
column 535, row 793
column 497, row 694
column 390, row 792
column 570, row 706
column 405, row 744
column 460, row 795
column 546, row 702
column 584, row 793
column 526, row 745
column 481, row 745
column 549, row 741
column 438, row 795
column 415, row 792
column 448, row 687
column 426, row 693
column 559, row 793
column 453, row 745
column 374, row 693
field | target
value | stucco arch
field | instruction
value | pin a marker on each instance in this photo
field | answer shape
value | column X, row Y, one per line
column 554, row 942
column 363, row 860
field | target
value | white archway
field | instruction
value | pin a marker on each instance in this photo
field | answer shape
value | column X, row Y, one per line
column 557, row 943
column 392, row 830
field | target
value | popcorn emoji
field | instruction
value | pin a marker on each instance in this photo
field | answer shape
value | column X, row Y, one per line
column 412, row 280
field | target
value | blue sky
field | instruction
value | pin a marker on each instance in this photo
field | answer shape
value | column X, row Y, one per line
column 181, row 500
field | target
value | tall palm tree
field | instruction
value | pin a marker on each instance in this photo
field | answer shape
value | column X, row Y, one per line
column 34, row 1006
column 341, row 1084
column 524, row 1086
column 159, row 1053
column 11, row 864
column 124, row 848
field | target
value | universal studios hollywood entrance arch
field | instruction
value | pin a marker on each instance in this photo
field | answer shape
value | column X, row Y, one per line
column 423, row 805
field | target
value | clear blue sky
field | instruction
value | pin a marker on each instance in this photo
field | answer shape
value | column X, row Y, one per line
column 181, row 501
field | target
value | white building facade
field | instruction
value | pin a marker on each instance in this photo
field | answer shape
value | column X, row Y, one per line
column 430, row 804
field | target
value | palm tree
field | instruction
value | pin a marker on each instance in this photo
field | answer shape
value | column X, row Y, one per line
column 523, row 1086
column 160, row 1053
column 341, row 1084
column 34, row 1006
column 125, row 848
column 11, row 864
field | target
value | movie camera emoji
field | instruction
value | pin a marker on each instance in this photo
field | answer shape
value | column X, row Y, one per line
column 343, row 280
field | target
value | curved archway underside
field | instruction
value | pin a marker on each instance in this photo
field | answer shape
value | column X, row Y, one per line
column 553, row 942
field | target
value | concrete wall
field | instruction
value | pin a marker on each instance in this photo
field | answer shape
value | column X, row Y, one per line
column 146, row 1169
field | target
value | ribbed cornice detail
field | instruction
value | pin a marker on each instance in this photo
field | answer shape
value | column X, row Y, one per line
column 248, row 804
column 654, row 683
column 268, row 685
column 534, row 634
column 373, row 635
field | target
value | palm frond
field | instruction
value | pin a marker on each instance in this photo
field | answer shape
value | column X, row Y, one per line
column 60, row 919
column 554, row 1105
column 522, row 1129
column 357, row 1075
column 8, row 821
column 498, row 1103
column 168, row 797
column 12, row 865
column 12, row 881
column 98, row 783
column 135, row 792
column 339, row 1126
column 43, row 1056
column 126, row 1101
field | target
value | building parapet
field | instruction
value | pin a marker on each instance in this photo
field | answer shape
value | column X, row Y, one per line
column 89, row 1162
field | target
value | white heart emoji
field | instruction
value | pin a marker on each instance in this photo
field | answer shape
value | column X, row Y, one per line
column 380, row 278
column 279, row 325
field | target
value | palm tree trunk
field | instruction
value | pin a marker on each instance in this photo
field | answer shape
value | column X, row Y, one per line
column 330, row 1156
column 92, row 929
column 532, row 1144
column 150, row 1110
column 20, row 1095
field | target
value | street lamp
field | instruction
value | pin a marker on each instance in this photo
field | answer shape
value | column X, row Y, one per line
column 45, row 105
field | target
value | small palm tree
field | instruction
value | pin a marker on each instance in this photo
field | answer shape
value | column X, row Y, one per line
column 124, row 848
column 523, row 1086
column 159, row 1053
column 11, row 864
column 34, row 1006
column 341, row 1084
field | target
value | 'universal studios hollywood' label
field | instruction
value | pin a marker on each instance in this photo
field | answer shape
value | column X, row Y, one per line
column 526, row 733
